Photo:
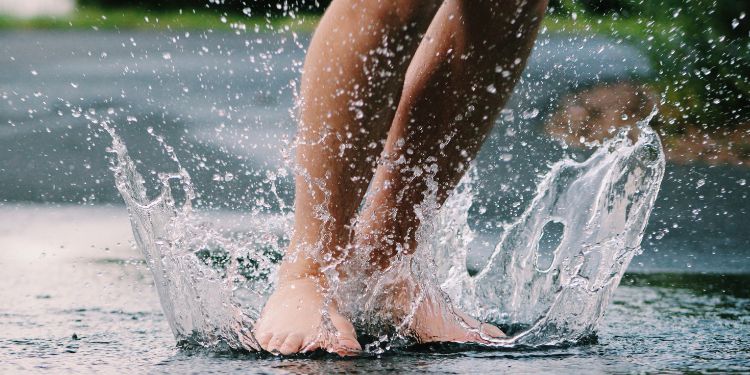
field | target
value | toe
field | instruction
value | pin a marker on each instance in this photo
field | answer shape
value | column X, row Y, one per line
column 481, row 330
column 292, row 344
column 347, row 346
column 346, row 338
column 275, row 344
column 491, row 331
column 263, row 339
column 248, row 342
column 313, row 345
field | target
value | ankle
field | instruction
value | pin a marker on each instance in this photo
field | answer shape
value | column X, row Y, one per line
column 386, row 236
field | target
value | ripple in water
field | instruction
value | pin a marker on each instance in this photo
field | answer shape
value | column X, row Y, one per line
column 549, row 279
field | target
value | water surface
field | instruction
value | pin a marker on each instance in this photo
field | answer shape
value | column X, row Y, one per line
column 77, row 296
column 71, row 303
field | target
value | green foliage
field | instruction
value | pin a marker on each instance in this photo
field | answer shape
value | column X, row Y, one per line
column 699, row 48
column 135, row 18
column 704, row 64
column 260, row 7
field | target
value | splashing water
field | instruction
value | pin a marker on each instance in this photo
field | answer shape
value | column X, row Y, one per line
column 213, row 284
column 602, row 205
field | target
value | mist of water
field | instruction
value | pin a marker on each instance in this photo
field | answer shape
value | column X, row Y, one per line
column 553, row 270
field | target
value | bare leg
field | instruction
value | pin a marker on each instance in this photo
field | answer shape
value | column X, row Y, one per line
column 459, row 79
column 351, row 85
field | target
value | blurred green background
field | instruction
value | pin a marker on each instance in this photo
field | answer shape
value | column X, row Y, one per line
column 699, row 49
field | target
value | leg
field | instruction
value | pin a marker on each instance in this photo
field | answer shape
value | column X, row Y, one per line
column 352, row 79
column 459, row 79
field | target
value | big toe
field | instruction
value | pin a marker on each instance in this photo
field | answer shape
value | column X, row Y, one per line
column 346, row 338
column 263, row 339
column 347, row 346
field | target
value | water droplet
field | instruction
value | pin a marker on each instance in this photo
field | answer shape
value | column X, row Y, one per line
column 166, row 56
column 491, row 89
column 507, row 114
column 529, row 114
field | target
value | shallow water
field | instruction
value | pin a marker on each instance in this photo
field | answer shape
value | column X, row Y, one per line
column 656, row 323
column 212, row 283
column 72, row 270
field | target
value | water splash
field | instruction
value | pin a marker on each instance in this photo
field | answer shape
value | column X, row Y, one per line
column 213, row 284
column 603, row 205
column 196, row 297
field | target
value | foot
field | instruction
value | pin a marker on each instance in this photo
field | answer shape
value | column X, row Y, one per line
column 292, row 322
column 434, row 322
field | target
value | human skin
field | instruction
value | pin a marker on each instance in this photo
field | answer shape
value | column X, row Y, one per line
column 383, row 106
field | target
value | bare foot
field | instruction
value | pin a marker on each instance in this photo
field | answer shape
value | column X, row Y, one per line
column 434, row 322
column 292, row 322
